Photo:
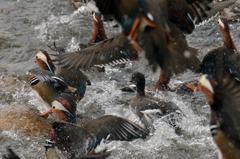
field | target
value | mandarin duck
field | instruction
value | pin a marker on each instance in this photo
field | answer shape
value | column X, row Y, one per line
column 74, row 78
column 46, row 86
column 144, row 106
column 225, row 56
column 71, row 136
column 223, row 95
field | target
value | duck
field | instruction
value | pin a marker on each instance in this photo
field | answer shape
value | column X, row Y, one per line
column 47, row 87
column 75, row 79
column 71, row 135
column 174, row 17
column 221, row 57
column 223, row 95
column 150, row 24
column 101, row 51
column 144, row 106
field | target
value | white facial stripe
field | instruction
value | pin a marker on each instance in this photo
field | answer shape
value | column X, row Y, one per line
column 94, row 17
column 41, row 56
column 205, row 82
column 220, row 23
column 59, row 106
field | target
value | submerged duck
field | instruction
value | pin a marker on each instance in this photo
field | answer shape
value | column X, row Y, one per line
column 144, row 106
column 73, row 78
column 223, row 97
column 72, row 138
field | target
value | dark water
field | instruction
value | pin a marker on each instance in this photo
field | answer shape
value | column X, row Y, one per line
column 30, row 25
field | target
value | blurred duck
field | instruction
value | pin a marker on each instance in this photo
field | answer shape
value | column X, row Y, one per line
column 156, row 27
column 101, row 50
column 10, row 155
column 151, row 24
column 223, row 97
column 144, row 106
column 73, row 78
column 74, row 138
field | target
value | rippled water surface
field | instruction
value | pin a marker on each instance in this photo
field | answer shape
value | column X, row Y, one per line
column 29, row 25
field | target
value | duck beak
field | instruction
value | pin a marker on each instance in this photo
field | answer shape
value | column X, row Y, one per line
column 45, row 115
column 35, row 61
column 192, row 86
column 95, row 17
column 196, row 89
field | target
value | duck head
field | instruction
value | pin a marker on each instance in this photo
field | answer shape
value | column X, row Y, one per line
column 63, row 111
column 206, row 84
column 44, row 61
column 99, row 31
column 225, row 31
column 64, row 108
column 139, row 80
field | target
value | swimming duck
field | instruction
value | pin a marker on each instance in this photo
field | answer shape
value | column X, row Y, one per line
column 144, row 106
column 72, row 138
column 223, row 97
column 225, row 56
column 74, row 78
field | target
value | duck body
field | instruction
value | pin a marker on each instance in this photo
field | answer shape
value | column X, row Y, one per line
column 223, row 97
column 225, row 56
column 75, row 136
column 144, row 106
column 46, row 86
column 101, row 50
column 74, row 79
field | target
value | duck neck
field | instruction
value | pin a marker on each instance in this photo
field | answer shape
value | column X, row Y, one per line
column 140, row 88
column 98, row 32
column 43, row 66
column 228, row 41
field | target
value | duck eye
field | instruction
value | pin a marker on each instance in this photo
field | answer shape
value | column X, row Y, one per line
column 53, row 107
column 133, row 76
column 36, row 57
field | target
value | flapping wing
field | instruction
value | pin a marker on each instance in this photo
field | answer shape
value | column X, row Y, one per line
column 114, row 128
column 113, row 51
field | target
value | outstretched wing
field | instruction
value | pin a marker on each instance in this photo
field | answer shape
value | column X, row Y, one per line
column 113, row 51
column 113, row 128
